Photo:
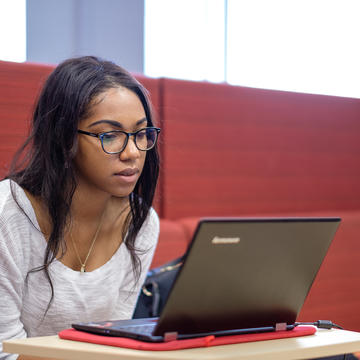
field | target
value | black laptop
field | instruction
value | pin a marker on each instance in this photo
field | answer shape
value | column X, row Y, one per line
column 240, row 275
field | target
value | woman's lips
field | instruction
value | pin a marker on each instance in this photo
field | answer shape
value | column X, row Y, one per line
column 128, row 175
column 128, row 172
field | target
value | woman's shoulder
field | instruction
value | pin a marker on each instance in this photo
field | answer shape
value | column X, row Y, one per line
column 17, row 216
column 153, row 220
column 149, row 232
column 7, row 187
column 4, row 187
column 12, row 198
column 15, row 227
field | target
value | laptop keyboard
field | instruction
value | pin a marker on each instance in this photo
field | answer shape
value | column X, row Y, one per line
column 138, row 329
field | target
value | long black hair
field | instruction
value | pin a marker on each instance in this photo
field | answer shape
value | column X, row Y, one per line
column 44, row 164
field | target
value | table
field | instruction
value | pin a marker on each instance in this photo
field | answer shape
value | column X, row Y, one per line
column 322, row 343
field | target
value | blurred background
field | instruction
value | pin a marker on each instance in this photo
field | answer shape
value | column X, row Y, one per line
column 248, row 150
column 309, row 46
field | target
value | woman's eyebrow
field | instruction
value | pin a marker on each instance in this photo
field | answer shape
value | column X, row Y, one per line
column 141, row 121
column 116, row 123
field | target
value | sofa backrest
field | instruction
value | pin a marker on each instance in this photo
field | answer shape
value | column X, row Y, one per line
column 20, row 84
column 231, row 150
column 226, row 150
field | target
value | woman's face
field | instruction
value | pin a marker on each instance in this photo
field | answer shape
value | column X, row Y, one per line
column 114, row 174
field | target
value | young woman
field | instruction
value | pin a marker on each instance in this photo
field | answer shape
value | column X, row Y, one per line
column 77, row 231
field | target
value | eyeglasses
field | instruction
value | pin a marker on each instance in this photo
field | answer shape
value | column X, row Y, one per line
column 114, row 142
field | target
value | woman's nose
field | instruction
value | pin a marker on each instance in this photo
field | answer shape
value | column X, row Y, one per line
column 130, row 150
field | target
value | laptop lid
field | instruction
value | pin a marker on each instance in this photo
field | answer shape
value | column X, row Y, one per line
column 246, row 273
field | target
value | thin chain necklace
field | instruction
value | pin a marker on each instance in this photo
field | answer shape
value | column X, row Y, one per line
column 83, row 264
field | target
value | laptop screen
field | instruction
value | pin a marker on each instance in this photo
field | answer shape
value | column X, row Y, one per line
column 246, row 273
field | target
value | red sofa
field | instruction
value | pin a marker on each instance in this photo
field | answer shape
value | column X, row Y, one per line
column 235, row 151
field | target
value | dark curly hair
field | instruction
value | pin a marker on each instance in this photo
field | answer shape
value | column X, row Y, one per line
column 43, row 165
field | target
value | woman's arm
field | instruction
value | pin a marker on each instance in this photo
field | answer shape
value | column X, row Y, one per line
column 11, row 287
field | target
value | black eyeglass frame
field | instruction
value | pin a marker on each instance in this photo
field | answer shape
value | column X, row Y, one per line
column 101, row 135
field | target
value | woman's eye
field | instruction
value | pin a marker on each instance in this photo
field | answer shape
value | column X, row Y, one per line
column 109, row 137
column 141, row 135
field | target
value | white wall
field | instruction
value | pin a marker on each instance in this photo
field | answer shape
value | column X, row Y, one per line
column 112, row 29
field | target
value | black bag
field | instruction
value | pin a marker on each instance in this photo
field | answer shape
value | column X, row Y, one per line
column 156, row 289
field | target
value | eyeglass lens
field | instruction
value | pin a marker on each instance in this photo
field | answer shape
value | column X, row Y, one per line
column 114, row 141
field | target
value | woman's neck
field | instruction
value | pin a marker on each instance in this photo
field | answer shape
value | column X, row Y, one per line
column 85, row 208
column 88, row 209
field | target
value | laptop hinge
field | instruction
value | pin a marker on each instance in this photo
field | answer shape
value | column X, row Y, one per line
column 280, row 327
column 170, row 336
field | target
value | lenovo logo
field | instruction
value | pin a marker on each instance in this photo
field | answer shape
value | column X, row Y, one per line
column 225, row 240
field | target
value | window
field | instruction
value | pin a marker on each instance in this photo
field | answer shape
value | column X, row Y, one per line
column 295, row 45
column 185, row 39
column 13, row 30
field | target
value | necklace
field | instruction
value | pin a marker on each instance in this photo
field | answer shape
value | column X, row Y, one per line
column 83, row 264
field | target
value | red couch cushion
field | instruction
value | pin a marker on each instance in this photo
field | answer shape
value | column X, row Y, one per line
column 335, row 294
column 172, row 242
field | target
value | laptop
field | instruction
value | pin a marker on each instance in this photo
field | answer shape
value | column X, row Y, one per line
column 239, row 275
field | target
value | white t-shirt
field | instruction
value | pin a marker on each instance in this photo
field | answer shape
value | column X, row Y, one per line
column 109, row 292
